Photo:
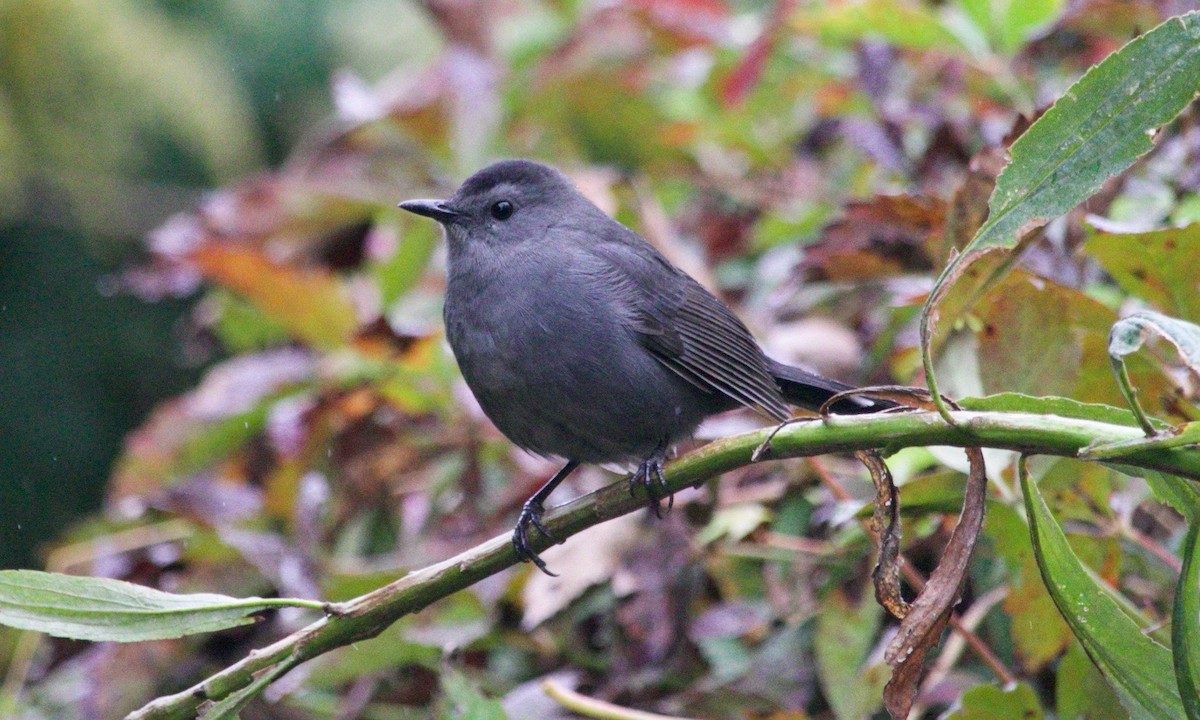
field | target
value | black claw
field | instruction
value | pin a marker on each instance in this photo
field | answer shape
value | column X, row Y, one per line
column 662, row 486
column 649, row 476
column 531, row 514
column 537, row 523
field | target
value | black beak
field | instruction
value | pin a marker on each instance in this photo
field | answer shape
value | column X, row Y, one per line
column 436, row 209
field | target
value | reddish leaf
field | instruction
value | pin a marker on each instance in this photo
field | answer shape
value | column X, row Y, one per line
column 888, row 235
column 738, row 84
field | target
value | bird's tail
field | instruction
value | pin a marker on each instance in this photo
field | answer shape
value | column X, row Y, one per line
column 809, row 390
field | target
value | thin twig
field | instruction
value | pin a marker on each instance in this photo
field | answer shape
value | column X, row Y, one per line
column 1151, row 546
column 593, row 708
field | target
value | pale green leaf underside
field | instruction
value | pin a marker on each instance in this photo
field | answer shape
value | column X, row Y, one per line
column 102, row 609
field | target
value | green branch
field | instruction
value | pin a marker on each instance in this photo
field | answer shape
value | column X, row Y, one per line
column 368, row 615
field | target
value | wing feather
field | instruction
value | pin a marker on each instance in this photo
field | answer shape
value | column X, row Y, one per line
column 685, row 327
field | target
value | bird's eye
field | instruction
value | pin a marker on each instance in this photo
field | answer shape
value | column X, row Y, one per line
column 502, row 210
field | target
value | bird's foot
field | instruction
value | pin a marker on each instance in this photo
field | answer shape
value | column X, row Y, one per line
column 531, row 514
column 649, row 476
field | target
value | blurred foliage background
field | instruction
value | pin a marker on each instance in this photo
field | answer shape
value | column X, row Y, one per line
column 217, row 326
column 113, row 116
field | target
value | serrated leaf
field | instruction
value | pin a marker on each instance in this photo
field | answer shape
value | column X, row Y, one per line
column 1097, row 129
column 103, row 609
column 1137, row 667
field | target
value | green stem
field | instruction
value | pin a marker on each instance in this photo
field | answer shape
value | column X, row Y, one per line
column 366, row 616
column 1174, row 437
column 927, row 323
column 1130, row 394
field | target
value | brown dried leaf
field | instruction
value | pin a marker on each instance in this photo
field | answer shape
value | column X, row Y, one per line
column 930, row 611
column 887, row 235
column 969, row 205
column 885, row 525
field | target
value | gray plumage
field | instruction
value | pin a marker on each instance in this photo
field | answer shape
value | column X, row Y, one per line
column 580, row 340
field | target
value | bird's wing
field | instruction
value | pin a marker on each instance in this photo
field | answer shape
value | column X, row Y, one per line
column 685, row 328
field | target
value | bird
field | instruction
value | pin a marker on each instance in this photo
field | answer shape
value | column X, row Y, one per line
column 581, row 341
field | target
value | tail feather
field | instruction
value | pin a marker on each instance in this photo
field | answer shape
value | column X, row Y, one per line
column 809, row 390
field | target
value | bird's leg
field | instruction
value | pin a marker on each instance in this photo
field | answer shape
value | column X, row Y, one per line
column 531, row 514
column 649, row 476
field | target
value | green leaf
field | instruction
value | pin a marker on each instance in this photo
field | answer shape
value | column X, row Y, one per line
column 1038, row 632
column 1015, row 317
column 309, row 302
column 242, row 327
column 1137, row 667
column 728, row 658
column 1097, row 129
column 102, row 609
column 900, row 22
column 1185, row 625
column 389, row 651
column 400, row 272
column 934, row 492
column 988, row 702
column 1158, row 267
column 466, row 701
column 1080, row 692
column 734, row 523
column 1009, row 23
column 1064, row 407
column 843, row 639
column 1181, row 494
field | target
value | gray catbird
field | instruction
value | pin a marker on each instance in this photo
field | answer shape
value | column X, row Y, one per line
column 580, row 340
